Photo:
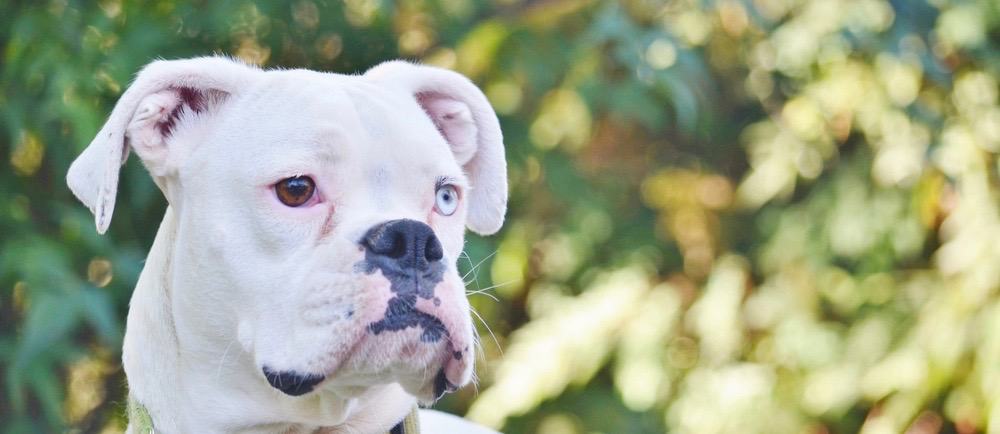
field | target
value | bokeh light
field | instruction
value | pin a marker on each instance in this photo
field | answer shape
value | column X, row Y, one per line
column 726, row 216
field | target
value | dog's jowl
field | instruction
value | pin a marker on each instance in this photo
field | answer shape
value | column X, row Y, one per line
column 304, row 276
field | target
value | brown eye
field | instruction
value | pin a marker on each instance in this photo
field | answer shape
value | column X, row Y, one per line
column 295, row 191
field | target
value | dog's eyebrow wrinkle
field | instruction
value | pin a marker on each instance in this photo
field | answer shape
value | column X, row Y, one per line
column 380, row 180
column 372, row 112
column 327, row 227
column 380, row 177
column 329, row 140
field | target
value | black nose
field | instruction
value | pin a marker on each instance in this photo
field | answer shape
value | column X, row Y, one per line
column 409, row 243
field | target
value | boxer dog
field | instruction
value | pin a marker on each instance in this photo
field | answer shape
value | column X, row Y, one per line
column 304, row 276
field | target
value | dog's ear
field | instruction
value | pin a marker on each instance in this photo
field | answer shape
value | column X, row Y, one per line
column 162, row 96
column 468, row 123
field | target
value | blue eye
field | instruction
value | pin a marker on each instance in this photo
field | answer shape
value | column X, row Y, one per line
column 446, row 200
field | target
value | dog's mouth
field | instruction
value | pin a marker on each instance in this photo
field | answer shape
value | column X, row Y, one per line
column 294, row 383
column 360, row 369
column 408, row 332
column 366, row 366
column 442, row 385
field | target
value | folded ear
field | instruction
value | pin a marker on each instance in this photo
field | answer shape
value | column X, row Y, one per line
column 162, row 96
column 468, row 123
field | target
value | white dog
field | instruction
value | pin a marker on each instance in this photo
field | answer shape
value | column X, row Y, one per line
column 304, row 276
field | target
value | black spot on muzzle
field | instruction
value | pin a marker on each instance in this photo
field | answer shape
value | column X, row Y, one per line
column 410, row 256
column 291, row 382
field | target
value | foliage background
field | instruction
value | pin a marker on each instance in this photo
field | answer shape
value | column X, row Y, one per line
column 771, row 216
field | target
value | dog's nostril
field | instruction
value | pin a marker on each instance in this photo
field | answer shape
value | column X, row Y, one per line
column 433, row 250
column 411, row 244
column 397, row 248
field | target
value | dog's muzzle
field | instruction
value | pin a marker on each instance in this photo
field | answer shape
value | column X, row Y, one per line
column 409, row 255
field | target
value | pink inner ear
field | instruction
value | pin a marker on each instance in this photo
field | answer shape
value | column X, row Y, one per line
column 454, row 121
column 426, row 100
column 188, row 97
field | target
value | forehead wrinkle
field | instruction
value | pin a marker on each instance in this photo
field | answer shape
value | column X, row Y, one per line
column 325, row 127
column 373, row 107
column 380, row 178
column 308, row 153
column 327, row 142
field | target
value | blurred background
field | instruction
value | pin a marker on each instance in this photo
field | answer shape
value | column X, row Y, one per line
column 726, row 216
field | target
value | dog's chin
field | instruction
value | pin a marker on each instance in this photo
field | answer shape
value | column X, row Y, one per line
column 425, row 370
column 413, row 380
column 427, row 389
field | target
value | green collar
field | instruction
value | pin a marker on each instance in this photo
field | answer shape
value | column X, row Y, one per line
column 409, row 425
column 139, row 417
column 142, row 423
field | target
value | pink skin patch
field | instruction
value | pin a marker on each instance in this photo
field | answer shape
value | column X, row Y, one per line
column 406, row 316
column 452, row 354
column 450, row 306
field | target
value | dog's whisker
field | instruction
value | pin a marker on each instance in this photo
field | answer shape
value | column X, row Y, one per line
column 472, row 267
column 482, row 292
column 222, row 360
column 480, row 351
column 495, row 340
column 481, row 355
column 467, row 257
column 498, row 285
column 475, row 268
column 475, row 382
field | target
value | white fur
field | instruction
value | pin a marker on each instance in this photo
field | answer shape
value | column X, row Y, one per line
column 236, row 280
column 463, row 114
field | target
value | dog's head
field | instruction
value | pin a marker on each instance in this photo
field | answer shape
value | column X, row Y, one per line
column 320, row 215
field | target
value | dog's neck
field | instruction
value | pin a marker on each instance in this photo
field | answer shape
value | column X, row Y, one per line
column 208, row 383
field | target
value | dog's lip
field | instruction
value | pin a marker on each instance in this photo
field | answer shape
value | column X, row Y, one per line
column 292, row 383
column 442, row 385
column 434, row 390
column 427, row 392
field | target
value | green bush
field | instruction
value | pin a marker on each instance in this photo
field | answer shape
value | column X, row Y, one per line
column 772, row 216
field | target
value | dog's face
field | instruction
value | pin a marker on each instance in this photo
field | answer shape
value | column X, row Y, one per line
column 321, row 214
